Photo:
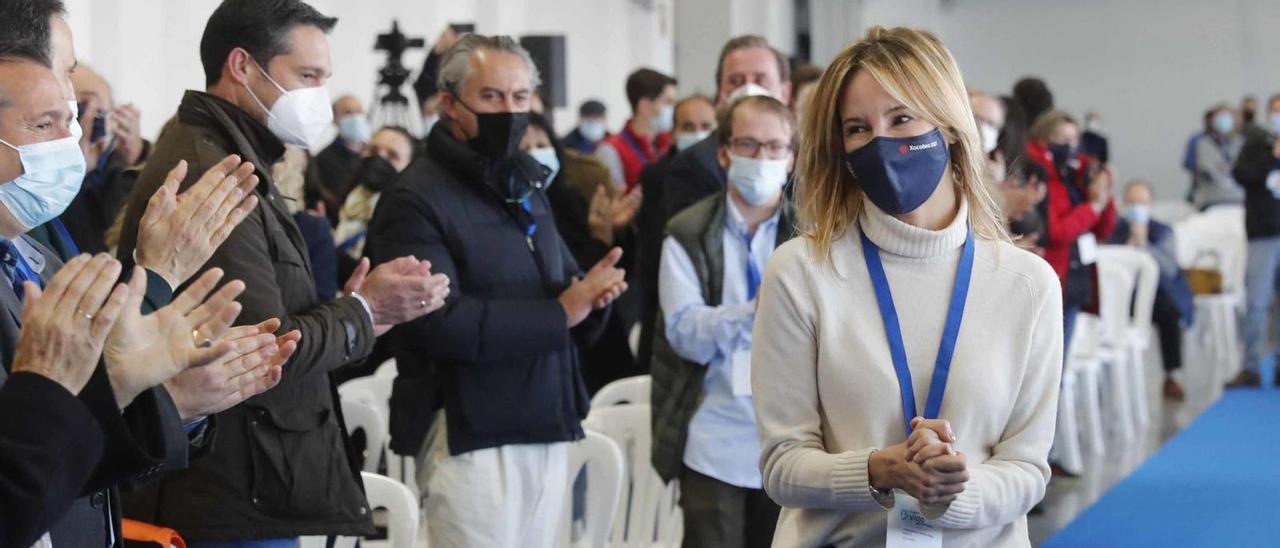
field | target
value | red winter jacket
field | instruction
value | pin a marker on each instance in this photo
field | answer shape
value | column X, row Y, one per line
column 636, row 151
column 1066, row 222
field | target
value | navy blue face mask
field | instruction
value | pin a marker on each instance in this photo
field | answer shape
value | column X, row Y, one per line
column 898, row 174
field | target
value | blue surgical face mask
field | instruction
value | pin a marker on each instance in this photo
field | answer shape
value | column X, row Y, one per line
column 757, row 180
column 354, row 128
column 52, row 172
column 686, row 139
column 1275, row 122
column 1224, row 123
column 899, row 174
column 592, row 130
column 665, row 120
column 547, row 157
column 1138, row 214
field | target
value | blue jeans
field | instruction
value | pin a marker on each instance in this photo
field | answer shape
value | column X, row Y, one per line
column 1260, row 290
column 1069, row 314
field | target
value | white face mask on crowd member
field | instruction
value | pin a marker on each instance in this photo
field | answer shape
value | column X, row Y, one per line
column 665, row 120
column 990, row 137
column 748, row 90
column 757, row 180
column 52, row 172
column 299, row 116
column 686, row 139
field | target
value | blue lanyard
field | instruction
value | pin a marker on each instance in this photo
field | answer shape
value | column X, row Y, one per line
column 955, row 312
column 753, row 273
column 641, row 153
column 67, row 240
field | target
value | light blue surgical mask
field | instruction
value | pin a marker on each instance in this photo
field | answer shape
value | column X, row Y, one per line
column 665, row 120
column 354, row 128
column 1275, row 122
column 757, row 180
column 1138, row 214
column 1224, row 123
column 52, row 172
column 686, row 139
column 547, row 157
column 592, row 130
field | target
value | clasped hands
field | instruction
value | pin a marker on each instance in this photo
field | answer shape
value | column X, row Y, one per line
column 926, row 466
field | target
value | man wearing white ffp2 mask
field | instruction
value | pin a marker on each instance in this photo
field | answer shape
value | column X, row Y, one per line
column 266, row 64
column 711, row 333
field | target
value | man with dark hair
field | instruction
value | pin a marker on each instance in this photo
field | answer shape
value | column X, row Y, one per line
column 1257, row 169
column 748, row 65
column 500, row 358
column 157, row 429
column 592, row 128
column 695, row 121
column 647, row 135
column 713, row 259
column 280, row 469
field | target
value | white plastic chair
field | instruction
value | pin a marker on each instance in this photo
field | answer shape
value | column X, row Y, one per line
column 1080, row 399
column 363, row 416
column 1171, row 211
column 1115, row 295
column 1219, row 235
column 401, row 503
column 603, row 461
column 1133, row 329
column 647, row 514
column 373, row 390
column 628, row 390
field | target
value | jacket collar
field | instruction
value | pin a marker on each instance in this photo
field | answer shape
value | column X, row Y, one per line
column 510, row 180
column 206, row 110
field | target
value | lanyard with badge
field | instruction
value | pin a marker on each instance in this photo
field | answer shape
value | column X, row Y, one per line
column 907, row 524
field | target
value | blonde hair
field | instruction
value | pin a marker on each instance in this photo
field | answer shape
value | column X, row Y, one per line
column 1044, row 125
column 916, row 69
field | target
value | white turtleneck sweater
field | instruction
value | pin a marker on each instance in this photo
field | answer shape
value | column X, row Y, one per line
column 826, row 394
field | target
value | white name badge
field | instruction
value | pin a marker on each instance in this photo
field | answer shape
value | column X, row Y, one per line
column 1088, row 245
column 908, row 527
column 740, row 360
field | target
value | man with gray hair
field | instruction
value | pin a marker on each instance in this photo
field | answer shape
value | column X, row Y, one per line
column 500, row 357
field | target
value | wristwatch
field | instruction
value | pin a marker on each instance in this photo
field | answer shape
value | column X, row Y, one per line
column 882, row 496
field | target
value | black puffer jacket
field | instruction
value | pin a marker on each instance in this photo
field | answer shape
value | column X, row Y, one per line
column 498, row 357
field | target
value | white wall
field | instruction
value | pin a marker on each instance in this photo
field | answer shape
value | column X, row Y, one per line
column 1151, row 67
column 703, row 26
column 149, row 49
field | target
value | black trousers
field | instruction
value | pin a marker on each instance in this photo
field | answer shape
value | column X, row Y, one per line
column 1168, row 323
column 720, row 515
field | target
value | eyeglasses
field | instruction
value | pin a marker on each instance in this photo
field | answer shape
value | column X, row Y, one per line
column 749, row 148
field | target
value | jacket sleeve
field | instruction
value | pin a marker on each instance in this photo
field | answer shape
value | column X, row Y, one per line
column 333, row 334
column 49, row 444
column 1255, row 161
column 688, row 182
column 1210, row 162
column 798, row 471
column 1066, row 223
column 1106, row 222
column 470, row 328
column 587, row 333
column 1013, row 480
column 697, row 332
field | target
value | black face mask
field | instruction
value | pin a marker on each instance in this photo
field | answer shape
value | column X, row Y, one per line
column 375, row 174
column 498, row 134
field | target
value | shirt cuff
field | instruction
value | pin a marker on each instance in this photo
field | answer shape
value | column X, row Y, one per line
column 365, row 304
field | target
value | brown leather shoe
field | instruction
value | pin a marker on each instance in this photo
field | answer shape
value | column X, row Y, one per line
column 1246, row 379
column 1173, row 390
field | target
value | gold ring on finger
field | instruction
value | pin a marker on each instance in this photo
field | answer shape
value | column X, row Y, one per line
column 200, row 342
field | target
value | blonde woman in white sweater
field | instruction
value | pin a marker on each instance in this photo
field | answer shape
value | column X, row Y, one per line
column 944, row 435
